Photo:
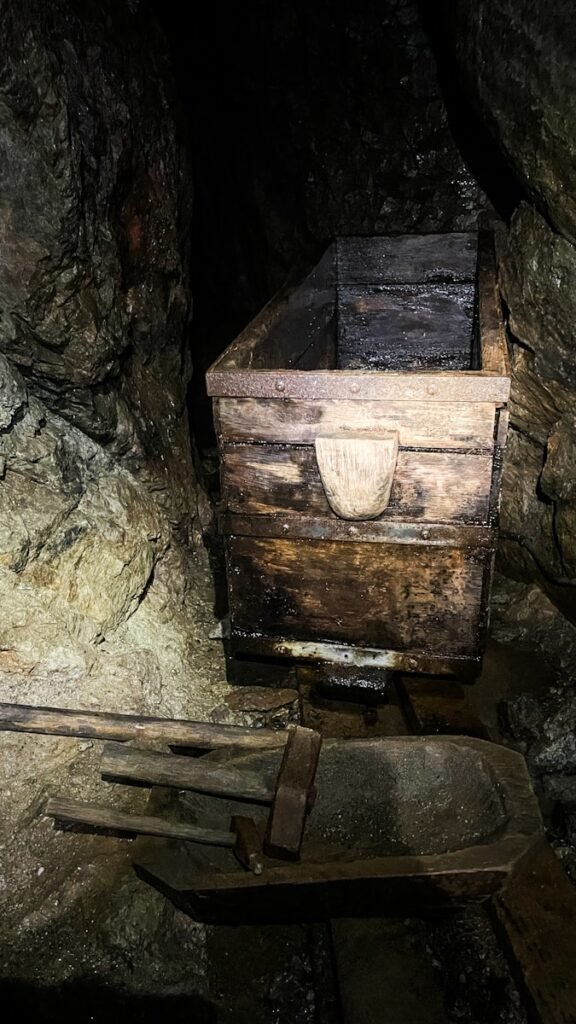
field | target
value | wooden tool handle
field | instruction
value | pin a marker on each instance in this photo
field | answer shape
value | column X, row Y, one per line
column 128, row 763
column 105, row 726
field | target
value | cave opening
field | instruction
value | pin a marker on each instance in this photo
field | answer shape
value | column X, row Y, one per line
column 163, row 170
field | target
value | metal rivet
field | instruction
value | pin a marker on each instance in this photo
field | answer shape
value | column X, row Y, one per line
column 412, row 662
column 425, row 534
column 431, row 389
column 280, row 385
column 355, row 388
column 352, row 530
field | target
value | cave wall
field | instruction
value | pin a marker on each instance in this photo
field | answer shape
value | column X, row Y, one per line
column 95, row 208
column 104, row 605
column 516, row 62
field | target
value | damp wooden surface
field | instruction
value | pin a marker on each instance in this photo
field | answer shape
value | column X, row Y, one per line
column 106, row 726
column 384, row 595
column 405, row 259
column 372, row 531
column 406, row 327
column 433, row 486
column 361, row 385
column 419, row 424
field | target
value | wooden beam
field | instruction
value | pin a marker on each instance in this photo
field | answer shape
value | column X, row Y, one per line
column 105, row 726
column 76, row 812
column 154, row 769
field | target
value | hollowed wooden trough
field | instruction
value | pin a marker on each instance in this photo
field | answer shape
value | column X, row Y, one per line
column 407, row 822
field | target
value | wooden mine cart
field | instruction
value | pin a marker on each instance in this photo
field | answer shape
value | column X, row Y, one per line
column 361, row 422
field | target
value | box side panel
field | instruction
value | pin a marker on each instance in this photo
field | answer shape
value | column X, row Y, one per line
column 428, row 486
column 406, row 327
column 445, row 425
column 405, row 259
column 402, row 597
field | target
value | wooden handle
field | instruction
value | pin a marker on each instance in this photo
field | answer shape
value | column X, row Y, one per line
column 357, row 470
column 76, row 812
column 101, row 725
column 154, row 769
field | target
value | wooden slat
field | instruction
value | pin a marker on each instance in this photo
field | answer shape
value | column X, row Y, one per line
column 342, row 654
column 536, row 915
column 406, row 327
column 387, row 595
column 419, row 424
column 199, row 775
column 437, row 487
column 407, row 258
column 76, row 812
column 105, row 726
column 467, row 538
column 493, row 344
column 360, row 385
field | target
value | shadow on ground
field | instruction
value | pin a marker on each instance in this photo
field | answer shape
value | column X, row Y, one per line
column 99, row 1004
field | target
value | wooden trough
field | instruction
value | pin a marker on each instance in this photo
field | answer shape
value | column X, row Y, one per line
column 361, row 422
column 403, row 822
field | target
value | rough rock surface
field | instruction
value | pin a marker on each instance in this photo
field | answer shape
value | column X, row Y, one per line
column 95, row 206
column 516, row 63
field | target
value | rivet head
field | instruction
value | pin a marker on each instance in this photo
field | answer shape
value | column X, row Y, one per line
column 355, row 388
column 425, row 534
column 431, row 389
column 412, row 663
column 280, row 385
column 352, row 530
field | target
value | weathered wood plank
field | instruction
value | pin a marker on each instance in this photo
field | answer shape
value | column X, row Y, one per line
column 438, row 487
column 76, row 812
column 407, row 258
column 297, row 328
column 199, row 775
column 360, row 385
column 294, row 794
column 387, row 595
column 536, row 915
column 419, row 424
column 492, row 332
column 105, row 726
column 342, row 654
column 305, row 527
column 406, row 327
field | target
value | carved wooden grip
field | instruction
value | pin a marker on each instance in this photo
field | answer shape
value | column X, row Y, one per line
column 357, row 470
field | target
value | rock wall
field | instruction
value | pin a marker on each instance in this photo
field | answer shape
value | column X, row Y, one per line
column 95, row 207
column 102, row 607
column 516, row 62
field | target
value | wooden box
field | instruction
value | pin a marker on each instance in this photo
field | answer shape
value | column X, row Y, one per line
column 361, row 422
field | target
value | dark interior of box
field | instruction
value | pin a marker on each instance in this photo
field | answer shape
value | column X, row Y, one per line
column 405, row 303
